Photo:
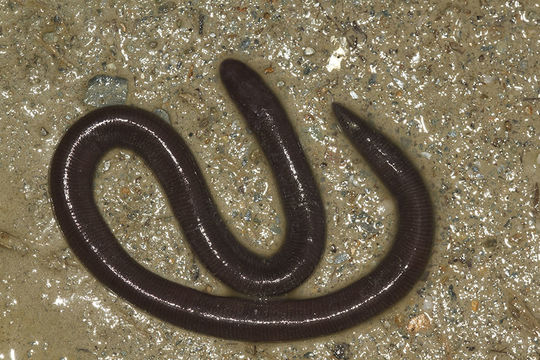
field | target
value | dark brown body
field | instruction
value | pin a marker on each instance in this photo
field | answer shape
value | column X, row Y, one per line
column 71, row 183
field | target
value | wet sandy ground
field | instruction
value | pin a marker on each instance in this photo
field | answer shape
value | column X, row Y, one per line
column 455, row 84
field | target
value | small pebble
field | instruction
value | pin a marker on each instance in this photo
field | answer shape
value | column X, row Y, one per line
column 488, row 79
column 474, row 305
column 309, row 51
column 490, row 243
column 341, row 258
column 106, row 90
column 428, row 303
column 163, row 114
column 451, row 292
column 418, row 323
column 501, row 46
column 244, row 44
column 49, row 37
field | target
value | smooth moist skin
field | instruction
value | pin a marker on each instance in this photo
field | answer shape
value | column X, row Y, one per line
column 71, row 184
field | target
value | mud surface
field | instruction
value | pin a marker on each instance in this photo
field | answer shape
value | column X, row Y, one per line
column 455, row 84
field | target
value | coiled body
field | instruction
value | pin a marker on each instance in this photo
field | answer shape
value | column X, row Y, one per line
column 71, row 185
